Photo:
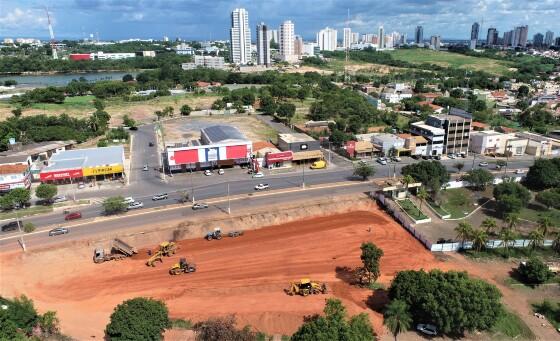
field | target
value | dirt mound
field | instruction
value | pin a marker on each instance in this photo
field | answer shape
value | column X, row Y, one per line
column 244, row 276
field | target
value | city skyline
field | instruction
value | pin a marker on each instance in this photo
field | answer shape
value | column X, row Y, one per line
column 198, row 20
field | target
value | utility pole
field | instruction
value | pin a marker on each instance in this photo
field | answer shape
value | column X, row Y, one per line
column 22, row 242
column 303, row 176
column 228, row 201
column 192, row 186
column 473, row 159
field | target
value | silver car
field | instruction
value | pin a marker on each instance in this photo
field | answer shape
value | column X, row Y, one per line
column 135, row 205
column 57, row 231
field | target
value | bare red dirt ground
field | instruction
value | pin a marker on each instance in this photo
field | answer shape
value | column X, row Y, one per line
column 243, row 276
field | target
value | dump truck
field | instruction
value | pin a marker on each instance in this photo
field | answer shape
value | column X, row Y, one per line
column 119, row 250
column 216, row 234
column 183, row 267
column 306, row 287
column 165, row 249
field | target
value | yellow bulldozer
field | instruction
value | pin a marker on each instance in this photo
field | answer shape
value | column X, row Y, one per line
column 165, row 249
column 306, row 287
column 183, row 267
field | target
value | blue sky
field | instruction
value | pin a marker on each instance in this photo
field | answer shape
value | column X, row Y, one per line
column 204, row 19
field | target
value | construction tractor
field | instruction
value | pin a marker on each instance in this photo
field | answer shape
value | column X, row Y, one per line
column 217, row 234
column 183, row 267
column 306, row 287
column 165, row 249
column 156, row 257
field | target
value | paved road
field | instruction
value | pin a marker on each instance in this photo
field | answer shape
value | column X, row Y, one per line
column 143, row 154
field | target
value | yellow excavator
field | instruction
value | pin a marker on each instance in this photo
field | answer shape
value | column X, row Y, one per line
column 183, row 267
column 306, row 287
column 165, row 249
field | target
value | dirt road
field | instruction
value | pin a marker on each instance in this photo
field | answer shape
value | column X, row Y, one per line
column 244, row 276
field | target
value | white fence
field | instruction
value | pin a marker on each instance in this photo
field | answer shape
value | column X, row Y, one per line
column 491, row 244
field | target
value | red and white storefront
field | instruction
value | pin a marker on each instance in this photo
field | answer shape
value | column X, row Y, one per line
column 279, row 159
column 61, row 174
column 209, row 156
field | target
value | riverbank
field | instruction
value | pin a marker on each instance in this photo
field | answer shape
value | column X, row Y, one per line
column 43, row 79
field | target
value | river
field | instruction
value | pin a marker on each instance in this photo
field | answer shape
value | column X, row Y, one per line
column 63, row 78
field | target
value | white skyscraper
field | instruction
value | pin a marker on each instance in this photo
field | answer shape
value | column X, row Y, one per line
column 274, row 36
column 240, row 36
column 355, row 37
column 326, row 39
column 286, row 37
column 347, row 40
column 263, row 45
column 381, row 35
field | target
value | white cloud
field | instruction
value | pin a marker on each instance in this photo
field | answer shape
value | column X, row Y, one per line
column 132, row 17
column 28, row 18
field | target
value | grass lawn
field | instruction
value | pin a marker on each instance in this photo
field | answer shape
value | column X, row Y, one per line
column 510, row 326
column 454, row 60
column 70, row 103
column 518, row 253
column 459, row 202
column 411, row 209
column 302, row 110
column 438, row 208
column 551, row 310
column 26, row 212
column 535, row 211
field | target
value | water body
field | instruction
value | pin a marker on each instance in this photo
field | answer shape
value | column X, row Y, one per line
column 63, row 79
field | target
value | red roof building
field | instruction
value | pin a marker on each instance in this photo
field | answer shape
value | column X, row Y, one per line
column 79, row 56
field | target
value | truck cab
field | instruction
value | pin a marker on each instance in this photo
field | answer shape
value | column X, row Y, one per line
column 99, row 256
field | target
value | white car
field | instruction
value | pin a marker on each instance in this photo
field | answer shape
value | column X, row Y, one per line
column 161, row 196
column 382, row 161
column 261, row 187
column 81, row 185
column 59, row 198
column 258, row 175
column 483, row 164
column 208, row 172
column 396, row 159
column 129, row 200
column 136, row 204
column 519, row 171
column 221, row 172
column 145, row 169
column 427, row 329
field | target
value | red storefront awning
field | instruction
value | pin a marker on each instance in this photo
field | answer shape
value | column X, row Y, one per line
column 279, row 157
column 63, row 174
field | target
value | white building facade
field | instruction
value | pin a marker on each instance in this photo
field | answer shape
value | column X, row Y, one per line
column 286, row 36
column 326, row 39
column 240, row 37
column 263, row 45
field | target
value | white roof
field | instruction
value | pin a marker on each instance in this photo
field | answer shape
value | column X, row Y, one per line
column 433, row 130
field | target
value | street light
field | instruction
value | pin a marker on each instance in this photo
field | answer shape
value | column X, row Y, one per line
column 192, row 186
column 228, row 201
column 22, row 242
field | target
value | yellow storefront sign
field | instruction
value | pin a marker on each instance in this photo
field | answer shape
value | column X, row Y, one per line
column 102, row 170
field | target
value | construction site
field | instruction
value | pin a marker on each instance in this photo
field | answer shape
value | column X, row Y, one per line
column 248, row 276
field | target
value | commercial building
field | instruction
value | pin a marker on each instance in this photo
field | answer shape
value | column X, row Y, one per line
column 419, row 35
column 298, row 46
column 84, row 164
column 286, row 36
column 263, row 45
column 434, row 136
column 395, row 94
column 209, row 62
column 492, row 37
column 326, row 39
column 474, row 35
column 435, row 43
column 549, row 38
column 112, row 56
column 388, row 144
column 219, row 146
column 416, row 144
column 539, row 145
column 303, row 147
column 15, row 172
column 381, row 35
column 240, row 37
column 492, row 142
column 347, row 37
column 184, row 49
column 538, row 40
column 267, row 155
column 457, row 126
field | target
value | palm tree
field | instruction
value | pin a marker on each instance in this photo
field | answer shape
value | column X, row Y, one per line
column 397, row 318
column 422, row 195
column 464, row 231
column 479, row 238
column 512, row 219
column 507, row 236
column 544, row 225
column 489, row 224
column 536, row 238
column 407, row 180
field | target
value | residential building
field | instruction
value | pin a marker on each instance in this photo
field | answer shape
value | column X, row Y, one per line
column 326, row 39
column 263, row 45
column 388, row 144
column 538, row 40
column 508, row 39
column 286, row 36
column 520, row 35
column 416, row 144
column 394, row 93
column 549, row 38
column 492, row 37
column 309, row 49
column 488, row 142
column 298, row 46
column 435, row 42
column 347, row 38
column 113, row 56
column 457, row 126
column 15, row 172
column 274, row 36
column 557, row 42
column 240, row 37
column 474, row 35
column 355, row 38
column 419, row 35
column 184, row 49
column 209, row 62
column 434, row 136
column 381, row 35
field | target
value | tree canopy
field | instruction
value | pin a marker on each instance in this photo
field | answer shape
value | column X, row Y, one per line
column 511, row 197
column 46, row 191
column 534, row 271
column 543, row 174
column 370, row 257
column 363, row 170
column 114, row 205
column 479, row 178
column 425, row 171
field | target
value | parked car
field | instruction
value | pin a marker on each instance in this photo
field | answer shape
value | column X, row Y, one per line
column 451, row 156
column 81, row 185
column 382, row 161
column 145, row 168
column 199, row 206
column 161, row 196
column 135, row 205
column 437, row 157
column 151, row 144
column 129, row 200
column 11, row 226
column 57, row 231
column 73, row 215
column 396, row 159
column 59, row 198
column 319, row 164
column 207, row 172
column 258, row 175
column 519, row 171
column 427, row 329
column 483, row 164
column 221, row 172
column 261, row 187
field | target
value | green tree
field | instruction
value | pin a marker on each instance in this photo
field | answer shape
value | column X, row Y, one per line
column 489, row 225
column 46, row 191
column 534, row 271
column 543, row 174
column 456, row 93
column 511, row 197
column 479, row 239
column 114, row 205
column 335, row 325
column 17, row 112
column 523, row 91
column 422, row 196
column 20, row 196
column 363, row 170
column 128, row 78
column 459, row 166
column 549, row 198
column 536, row 238
column 545, row 224
column 98, row 104
column 507, row 236
column 464, row 231
column 479, row 178
column 128, row 121
column 23, row 314
column 397, row 318
column 286, row 110
column 511, row 220
column 370, row 257
column 426, row 171
column 508, row 204
column 185, row 110
column 28, row 227
column 138, row 319
column 49, row 324
column 222, row 328
column 407, row 180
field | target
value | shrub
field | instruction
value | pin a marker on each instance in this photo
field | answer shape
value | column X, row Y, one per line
column 138, row 319
column 534, row 271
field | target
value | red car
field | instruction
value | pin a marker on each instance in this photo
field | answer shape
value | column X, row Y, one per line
column 73, row 215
